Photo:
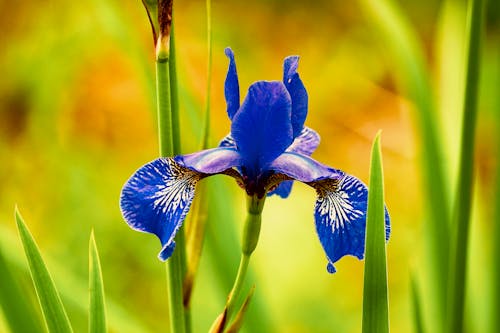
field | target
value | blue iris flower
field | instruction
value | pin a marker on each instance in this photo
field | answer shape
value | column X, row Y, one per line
column 268, row 148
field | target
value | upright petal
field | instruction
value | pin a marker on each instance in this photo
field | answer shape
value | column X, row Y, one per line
column 157, row 198
column 231, row 86
column 227, row 142
column 305, row 144
column 262, row 129
column 298, row 93
column 340, row 215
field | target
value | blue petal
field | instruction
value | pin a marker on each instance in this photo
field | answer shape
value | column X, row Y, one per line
column 305, row 144
column 262, row 129
column 283, row 189
column 231, row 86
column 157, row 198
column 340, row 215
column 297, row 92
column 227, row 142
column 302, row 168
column 210, row 161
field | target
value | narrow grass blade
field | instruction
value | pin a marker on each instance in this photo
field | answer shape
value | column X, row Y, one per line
column 240, row 315
column 462, row 213
column 407, row 54
column 495, row 308
column 417, row 306
column 375, row 291
column 18, row 310
column 52, row 307
column 97, row 310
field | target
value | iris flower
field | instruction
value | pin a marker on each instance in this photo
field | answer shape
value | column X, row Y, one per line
column 267, row 149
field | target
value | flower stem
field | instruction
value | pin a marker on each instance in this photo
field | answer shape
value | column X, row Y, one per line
column 250, row 238
column 238, row 284
column 174, row 266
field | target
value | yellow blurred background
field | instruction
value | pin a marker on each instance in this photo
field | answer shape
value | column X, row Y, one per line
column 77, row 118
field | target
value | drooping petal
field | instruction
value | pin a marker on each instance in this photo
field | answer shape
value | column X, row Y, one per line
column 157, row 198
column 261, row 128
column 340, row 215
column 302, row 168
column 297, row 92
column 210, row 161
column 305, row 144
column 231, row 86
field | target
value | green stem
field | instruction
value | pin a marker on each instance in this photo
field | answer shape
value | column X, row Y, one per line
column 457, row 276
column 206, row 127
column 174, row 95
column 250, row 238
column 174, row 265
column 180, row 239
column 163, row 101
column 238, row 284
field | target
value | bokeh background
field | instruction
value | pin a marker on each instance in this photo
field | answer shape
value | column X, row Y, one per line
column 77, row 119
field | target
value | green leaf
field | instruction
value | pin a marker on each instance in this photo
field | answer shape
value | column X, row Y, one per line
column 50, row 302
column 417, row 307
column 407, row 57
column 19, row 312
column 97, row 311
column 463, row 206
column 375, row 293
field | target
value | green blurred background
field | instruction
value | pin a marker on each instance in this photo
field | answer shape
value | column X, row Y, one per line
column 77, row 119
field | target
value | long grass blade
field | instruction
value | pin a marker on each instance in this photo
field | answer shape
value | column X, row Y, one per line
column 72, row 288
column 375, row 291
column 412, row 73
column 462, row 213
column 417, row 306
column 97, row 310
column 19, row 312
column 495, row 307
column 53, row 310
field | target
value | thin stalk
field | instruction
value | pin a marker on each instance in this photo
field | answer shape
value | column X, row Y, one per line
column 174, row 95
column 495, row 308
column 206, row 127
column 457, row 276
column 174, row 266
column 235, row 293
column 180, row 239
column 250, row 239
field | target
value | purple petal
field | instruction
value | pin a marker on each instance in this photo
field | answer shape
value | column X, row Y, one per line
column 302, row 168
column 262, row 129
column 231, row 86
column 304, row 144
column 210, row 161
column 340, row 215
column 297, row 92
column 157, row 198
column 227, row 142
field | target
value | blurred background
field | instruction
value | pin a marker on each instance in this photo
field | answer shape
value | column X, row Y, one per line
column 77, row 119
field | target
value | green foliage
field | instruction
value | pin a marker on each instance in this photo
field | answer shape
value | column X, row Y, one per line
column 375, row 291
column 97, row 311
column 53, row 310
column 463, row 205
column 15, row 301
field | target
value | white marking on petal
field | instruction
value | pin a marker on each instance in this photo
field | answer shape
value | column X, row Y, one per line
column 334, row 204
